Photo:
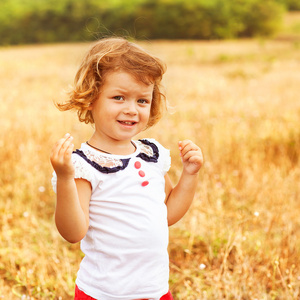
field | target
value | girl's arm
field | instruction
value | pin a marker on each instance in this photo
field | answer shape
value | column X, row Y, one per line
column 179, row 198
column 73, row 196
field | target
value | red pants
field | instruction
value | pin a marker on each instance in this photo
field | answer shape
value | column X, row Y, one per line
column 80, row 295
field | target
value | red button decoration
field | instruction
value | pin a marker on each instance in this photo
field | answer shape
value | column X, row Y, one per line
column 137, row 164
column 142, row 173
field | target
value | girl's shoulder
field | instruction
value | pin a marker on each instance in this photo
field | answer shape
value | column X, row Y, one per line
column 153, row 151
column 149, row 150
column 151, row 143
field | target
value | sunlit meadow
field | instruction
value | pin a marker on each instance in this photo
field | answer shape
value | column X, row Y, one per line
column 239, row 100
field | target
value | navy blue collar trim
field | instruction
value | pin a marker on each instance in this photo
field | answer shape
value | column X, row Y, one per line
column 125, row 162
column 146, row 157
column 101, row 169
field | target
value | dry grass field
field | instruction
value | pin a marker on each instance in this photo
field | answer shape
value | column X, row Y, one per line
column 239, row 100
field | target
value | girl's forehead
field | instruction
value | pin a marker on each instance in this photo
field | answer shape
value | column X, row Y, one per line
column 123, row 78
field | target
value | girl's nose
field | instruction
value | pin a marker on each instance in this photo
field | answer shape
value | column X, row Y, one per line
column 130, row 108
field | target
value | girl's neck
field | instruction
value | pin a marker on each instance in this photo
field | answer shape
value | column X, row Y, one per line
column 118, row 149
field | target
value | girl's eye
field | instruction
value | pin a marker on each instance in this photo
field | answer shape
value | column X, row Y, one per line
column 121, row 98
column 143, row 101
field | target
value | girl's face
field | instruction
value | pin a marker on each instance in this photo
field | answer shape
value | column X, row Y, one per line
column 122, row 109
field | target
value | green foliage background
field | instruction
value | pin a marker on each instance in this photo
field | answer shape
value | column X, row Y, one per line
column 32, row 21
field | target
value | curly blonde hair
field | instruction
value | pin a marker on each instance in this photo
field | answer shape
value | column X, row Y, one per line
column 113, row 54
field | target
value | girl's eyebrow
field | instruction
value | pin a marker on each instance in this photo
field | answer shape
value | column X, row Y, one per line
column 122, row 90
column 126, row 91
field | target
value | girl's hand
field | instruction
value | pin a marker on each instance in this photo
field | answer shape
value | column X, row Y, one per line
column 61, row 157
column 192, row 157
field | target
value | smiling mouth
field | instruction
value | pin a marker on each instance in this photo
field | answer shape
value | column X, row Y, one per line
column 128, row 123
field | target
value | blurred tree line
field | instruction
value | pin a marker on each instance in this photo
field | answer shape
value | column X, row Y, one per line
column 41, row 21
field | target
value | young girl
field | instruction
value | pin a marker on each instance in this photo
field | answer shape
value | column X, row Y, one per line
column 114, row 193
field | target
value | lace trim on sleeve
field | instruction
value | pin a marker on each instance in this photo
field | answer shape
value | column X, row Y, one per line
column 101, row 163
column 81, row 170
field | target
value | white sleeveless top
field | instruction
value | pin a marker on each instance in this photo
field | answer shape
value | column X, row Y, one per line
column 126, row 244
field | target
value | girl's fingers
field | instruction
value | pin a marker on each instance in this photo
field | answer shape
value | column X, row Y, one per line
column 187, row 146
column 64, row 144
column 193, row 157
column 60, row 142
column 190, row 153
column 69, row 150
column 61, row 156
